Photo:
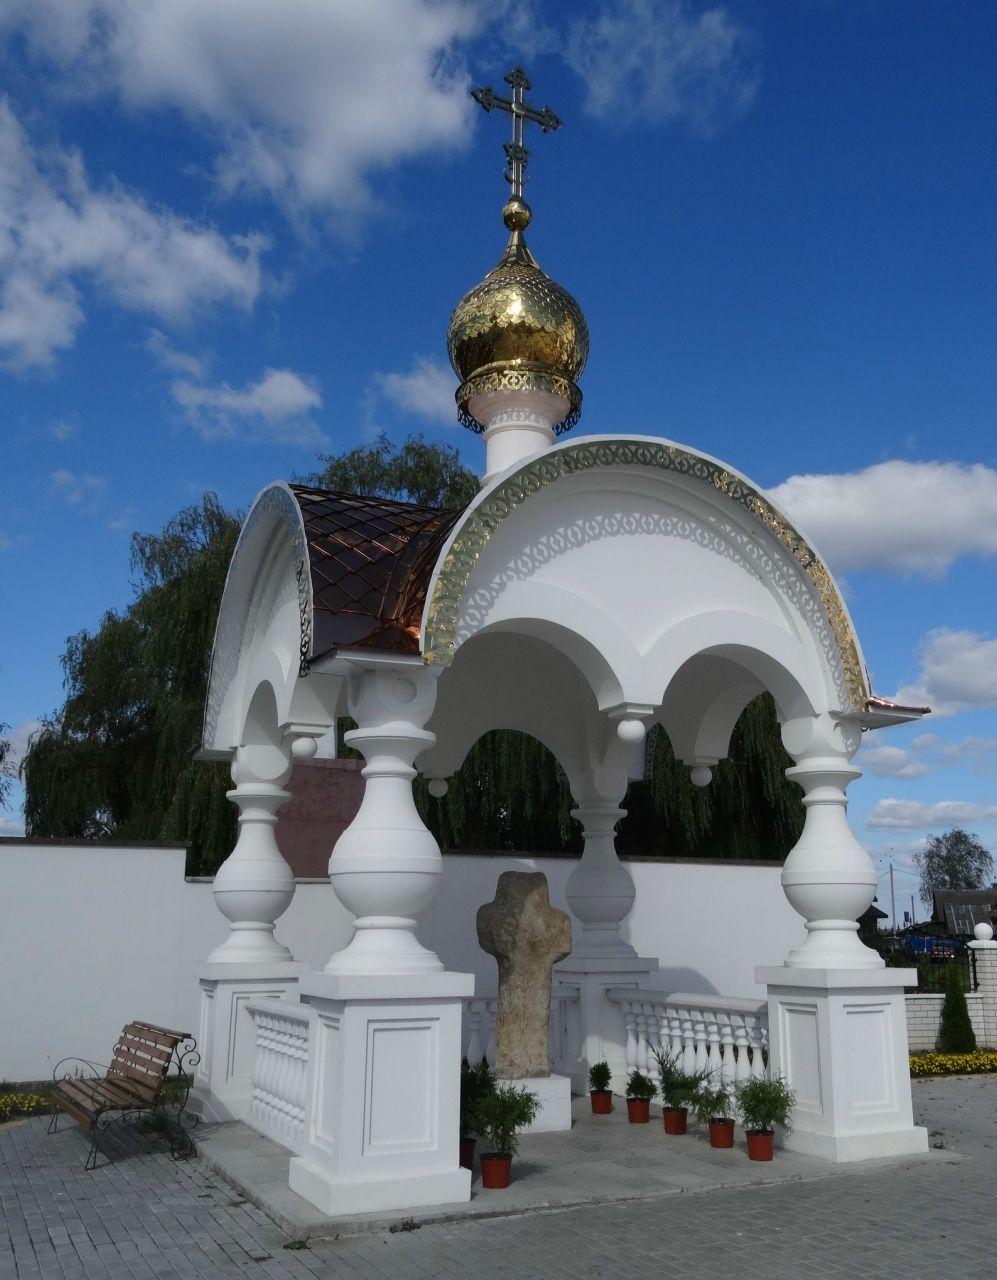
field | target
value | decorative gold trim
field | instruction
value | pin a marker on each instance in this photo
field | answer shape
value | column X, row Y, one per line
column 484, row 520
column 518, row 377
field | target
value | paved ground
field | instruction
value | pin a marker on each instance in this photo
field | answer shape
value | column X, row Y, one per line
column 144, row 1216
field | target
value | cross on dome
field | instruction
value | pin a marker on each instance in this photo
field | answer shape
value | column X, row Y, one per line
column 517, row 154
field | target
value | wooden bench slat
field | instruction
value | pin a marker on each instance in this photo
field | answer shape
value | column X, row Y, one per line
column 153, row 1068
column 143, row 1052
column 160, row 1036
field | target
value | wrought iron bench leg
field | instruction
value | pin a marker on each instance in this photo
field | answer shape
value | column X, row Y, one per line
column 53, row 1124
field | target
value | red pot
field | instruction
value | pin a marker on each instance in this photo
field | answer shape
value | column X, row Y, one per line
column 721, row 1133
column 760, row 1145
column 602, row 1101
column 467, row 1153
column 496, row 1170
column 675, row 1119
column 638, row 1110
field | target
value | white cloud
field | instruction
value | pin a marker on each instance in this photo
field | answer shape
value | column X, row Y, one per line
column 172, row 358
column 11, row 826
column 76, row 489
column 276, row 407
column 5, row 542
column 57, row 231
column 20, row 738
column 302, row 99
column 958, row 672
column 661, row 60
column 928, row 753
column 915, row 815
column 903, row 517
column 62, row 431
column 427, row 390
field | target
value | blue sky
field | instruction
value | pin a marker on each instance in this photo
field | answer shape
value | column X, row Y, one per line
column 231, row 236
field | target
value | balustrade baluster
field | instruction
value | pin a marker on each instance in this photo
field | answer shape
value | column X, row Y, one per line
column 713, row 1059
column 688, row 1043
column 758, row 1071
column 727, row 1064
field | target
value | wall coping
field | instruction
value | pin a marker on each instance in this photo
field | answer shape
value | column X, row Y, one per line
column 57, row 842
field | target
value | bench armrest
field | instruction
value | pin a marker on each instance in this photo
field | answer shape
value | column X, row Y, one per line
column 95, row 1070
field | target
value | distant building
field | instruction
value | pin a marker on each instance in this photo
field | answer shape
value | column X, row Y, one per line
column 960, row 910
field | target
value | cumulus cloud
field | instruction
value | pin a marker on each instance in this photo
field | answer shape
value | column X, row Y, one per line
column 303, row 100
column 661, row 60
column 903, row 517
column 57, row 230
column 20, row 739
column 62, row 431
column 958, row 671
column 76, row 489
column 173, row 358
column 11, row 826
column 916, row 815
column 427, row 390
column 275, row 407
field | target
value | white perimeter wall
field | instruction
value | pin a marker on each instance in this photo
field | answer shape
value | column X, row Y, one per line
column 93, row 935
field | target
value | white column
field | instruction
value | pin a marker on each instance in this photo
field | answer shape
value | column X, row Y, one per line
column 252, row 889
column 386, row 865
column 837, row 1015
column 516, row 424
column 600, row 890
column 984, row 951
column 381, row 1129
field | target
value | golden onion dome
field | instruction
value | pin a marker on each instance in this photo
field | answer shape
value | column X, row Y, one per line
column 518, row 330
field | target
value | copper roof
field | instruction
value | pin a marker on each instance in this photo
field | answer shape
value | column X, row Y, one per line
column 876, row 703
column 371, row 561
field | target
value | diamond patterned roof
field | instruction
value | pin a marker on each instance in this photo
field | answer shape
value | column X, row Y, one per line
column 371, row 561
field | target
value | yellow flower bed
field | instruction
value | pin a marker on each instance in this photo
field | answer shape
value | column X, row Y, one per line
column 953, row 1064
column 15, row 1105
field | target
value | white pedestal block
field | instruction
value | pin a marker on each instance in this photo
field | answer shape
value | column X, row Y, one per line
column 554, row 1093
column 839, row 1038
column 382, row 1123
column 602, row 1034
column 226, row 1038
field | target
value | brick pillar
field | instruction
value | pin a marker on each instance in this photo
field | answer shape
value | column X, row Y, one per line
column 984, row 950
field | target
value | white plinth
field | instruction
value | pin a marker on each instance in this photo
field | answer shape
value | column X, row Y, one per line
column 602, row 1034
column 226, row 1037
column 839, row 1038
column 554, row 1093
column 382, row 1122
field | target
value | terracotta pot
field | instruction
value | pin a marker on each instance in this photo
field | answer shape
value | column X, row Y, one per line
column 602, row 1101
column 760, row 1145
column 638, row 1110
column 496, row 1170
column 467, row 1152
column 721, row 1133
column 675, row 1119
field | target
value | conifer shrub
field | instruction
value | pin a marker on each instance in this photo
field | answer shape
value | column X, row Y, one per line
column 956, row 1034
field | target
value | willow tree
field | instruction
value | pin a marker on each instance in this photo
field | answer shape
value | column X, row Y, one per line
column 117, row 759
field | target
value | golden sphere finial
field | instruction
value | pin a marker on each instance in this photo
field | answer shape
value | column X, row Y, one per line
column 516, row 214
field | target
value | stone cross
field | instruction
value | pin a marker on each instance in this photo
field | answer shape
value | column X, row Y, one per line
column 527, row 936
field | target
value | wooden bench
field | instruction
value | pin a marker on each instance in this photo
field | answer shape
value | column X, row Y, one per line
column 134, row 1082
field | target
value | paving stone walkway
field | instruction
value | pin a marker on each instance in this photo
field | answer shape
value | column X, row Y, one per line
column 144, row 1216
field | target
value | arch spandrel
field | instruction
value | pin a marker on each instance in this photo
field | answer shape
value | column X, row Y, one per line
column 780, row 554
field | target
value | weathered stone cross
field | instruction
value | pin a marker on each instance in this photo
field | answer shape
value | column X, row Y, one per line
column 527, row 936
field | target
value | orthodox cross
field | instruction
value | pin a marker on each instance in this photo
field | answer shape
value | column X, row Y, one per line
column 516, row 153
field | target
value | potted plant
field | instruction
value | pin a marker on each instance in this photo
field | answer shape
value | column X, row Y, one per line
column 678, row 1091
column 640, row 1091
column 599, row 1090
column 714, row 1107
column 764, row 1104
column 499, row 1116
column 475, row 1082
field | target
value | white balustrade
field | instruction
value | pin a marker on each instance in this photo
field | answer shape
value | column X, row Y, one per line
column 481, row 1017
column 727, row 1038
column 280, row 1072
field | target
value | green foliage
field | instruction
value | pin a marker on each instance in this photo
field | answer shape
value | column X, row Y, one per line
column 954, row 860
column 116, row 760
column 501, row 1114
column 712, row 1103
column 475, row 1084
column 765, row 1104
column 678, row 1088
column 955, row 1034
column 431, row 475
column 641, row 1087
column 600, row 1077
column 7, row 771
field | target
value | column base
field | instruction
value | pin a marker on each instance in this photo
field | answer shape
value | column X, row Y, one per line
column 603, row 1036
column 554, row 1093
column 839, row 1039
column 382, row 1121
column 226, row 1038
